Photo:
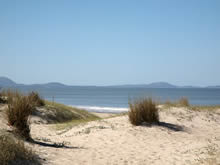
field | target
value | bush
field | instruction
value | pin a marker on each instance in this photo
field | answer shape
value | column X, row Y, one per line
column 144, row 110
column 18, row 112
column 36, row 99
column 14, row 152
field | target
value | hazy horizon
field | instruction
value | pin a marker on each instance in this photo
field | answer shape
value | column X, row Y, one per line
column 111, row 42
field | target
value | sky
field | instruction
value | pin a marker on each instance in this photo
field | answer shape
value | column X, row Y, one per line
column 110, row 42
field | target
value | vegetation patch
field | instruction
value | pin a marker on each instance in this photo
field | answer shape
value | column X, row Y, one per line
column 182, row 102
column 36, row 99
column 65, row 116
column 63, row 113
column 14, row 152
column 19, row 109
column 143, row 111
column 205, row 107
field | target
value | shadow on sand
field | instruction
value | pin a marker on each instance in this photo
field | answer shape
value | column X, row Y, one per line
column 172, row 127
column 54, row 145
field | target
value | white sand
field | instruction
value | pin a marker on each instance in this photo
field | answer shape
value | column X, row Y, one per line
column 194, row 138
column 116, row 141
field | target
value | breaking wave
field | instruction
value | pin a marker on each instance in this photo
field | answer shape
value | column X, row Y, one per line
column 102, row 109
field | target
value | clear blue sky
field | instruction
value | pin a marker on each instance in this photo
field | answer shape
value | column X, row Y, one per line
column 110, row 42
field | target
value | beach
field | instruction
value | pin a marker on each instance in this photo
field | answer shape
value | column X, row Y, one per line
column 184, row 137
column 110, row 82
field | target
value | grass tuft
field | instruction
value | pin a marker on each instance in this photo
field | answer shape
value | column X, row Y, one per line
column 36, row 99
column 143, row 110
column 9, row 95
column 14, row 152
column 182, row 102
column 19, row 109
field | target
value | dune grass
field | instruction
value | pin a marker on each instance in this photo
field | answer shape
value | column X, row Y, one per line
column 182, row 102
column 36, row 99
column 9, row 95
column 205, row 107
column 143, row 110
column 67, row 116
column 13, row 152
column 19, row 109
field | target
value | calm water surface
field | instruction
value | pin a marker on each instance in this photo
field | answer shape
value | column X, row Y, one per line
column 116, row 99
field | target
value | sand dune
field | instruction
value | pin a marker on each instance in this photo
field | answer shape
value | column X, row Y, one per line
column 182, row 137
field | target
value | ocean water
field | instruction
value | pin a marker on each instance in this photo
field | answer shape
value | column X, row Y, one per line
column 106, row 99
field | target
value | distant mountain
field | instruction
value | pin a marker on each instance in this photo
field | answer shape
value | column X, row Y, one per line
column 6, row 82
column 152, row 85
column 54, row 85
column 161, row 85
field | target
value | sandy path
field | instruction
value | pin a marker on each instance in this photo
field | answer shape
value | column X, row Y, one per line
column 184, row 137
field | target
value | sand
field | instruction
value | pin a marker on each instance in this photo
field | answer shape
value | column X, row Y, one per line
column 183, row 137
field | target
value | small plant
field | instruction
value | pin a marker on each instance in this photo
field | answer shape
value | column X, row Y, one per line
column 36, row 99
column 18, row 112
column 144, row 110
column 13, row 151
column 183, row 101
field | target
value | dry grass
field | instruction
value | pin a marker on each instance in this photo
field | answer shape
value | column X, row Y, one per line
column 182, row 102
column 9, row 95
column 19, row 109
column 36, row 99
column 14, row 152
column 143, row 110
column 205, row 107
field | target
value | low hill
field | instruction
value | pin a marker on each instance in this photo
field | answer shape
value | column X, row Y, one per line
column 6, row 82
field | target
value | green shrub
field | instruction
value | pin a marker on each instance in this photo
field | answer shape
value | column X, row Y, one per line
column 36, row 99
column 143, row 110
column 13, row 152
column 19, row 109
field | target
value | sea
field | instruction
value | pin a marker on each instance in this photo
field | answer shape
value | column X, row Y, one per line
column 115, row 100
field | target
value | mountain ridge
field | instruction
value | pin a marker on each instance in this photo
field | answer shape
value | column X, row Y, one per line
column 6, row 82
